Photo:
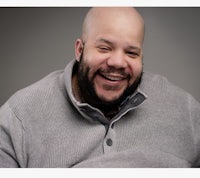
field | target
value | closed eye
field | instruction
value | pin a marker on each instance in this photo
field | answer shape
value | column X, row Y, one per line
column 104, row 49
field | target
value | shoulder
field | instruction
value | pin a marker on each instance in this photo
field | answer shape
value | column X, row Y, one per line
column 38, row 94
column 160, row 88
column 169, row 101
column 45, row 85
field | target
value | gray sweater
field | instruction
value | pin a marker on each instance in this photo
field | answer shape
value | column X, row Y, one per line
column 44, row 126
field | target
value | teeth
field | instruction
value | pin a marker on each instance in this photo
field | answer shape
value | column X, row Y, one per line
column 113, row 78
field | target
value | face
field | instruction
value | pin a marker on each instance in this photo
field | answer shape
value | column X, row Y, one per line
column 110, row 62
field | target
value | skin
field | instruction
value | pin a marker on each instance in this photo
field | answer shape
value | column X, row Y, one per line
column 110, row 55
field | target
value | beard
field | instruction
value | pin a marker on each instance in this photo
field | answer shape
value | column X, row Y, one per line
column 88, row 92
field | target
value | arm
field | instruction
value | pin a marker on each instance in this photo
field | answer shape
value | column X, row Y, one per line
column 11, row 139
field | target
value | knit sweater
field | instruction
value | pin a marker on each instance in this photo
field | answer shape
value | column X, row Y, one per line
column 43, row 125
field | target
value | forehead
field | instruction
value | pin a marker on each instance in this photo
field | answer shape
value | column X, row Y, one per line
column 115, row 24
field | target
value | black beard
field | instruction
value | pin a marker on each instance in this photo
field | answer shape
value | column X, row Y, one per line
column 88, row 92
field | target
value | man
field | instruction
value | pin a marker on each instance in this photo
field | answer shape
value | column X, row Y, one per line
column 102, row 110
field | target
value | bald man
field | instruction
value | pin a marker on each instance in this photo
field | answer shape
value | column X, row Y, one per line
column 102, row 110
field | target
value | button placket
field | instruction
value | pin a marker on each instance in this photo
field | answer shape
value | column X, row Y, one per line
column 110, row 141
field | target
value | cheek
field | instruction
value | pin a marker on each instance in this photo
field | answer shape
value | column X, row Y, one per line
column 136, row 70
column 93, row 57
column 94, row 63
column 93, row 68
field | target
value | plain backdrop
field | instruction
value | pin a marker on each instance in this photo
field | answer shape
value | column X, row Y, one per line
column 37, row 41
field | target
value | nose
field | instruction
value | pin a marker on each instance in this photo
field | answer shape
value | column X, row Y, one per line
column 117, row 60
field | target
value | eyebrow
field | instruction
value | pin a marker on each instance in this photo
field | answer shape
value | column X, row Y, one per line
column 104, row 41
column 111, row 44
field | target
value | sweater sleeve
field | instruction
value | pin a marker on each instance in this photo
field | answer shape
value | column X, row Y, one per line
column 194, row 108
column 11, row 139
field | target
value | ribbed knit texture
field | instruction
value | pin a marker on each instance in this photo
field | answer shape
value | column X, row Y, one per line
column 40, row 126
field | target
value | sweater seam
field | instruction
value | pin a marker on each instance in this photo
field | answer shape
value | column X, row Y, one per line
column 23, row 130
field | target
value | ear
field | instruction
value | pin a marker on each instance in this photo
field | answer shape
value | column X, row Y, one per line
column 78, row 49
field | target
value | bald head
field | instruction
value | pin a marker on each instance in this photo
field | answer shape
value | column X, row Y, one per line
column 100, row 17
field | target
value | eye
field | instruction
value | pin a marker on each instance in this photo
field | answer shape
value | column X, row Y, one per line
column 132, row 54
column 103, row 49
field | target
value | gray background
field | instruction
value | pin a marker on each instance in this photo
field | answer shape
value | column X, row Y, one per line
column 37, row 41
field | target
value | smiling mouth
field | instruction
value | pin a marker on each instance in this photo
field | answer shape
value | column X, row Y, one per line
column 112, row 76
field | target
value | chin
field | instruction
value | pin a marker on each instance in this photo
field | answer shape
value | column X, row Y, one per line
column 109, row 99
column 109, row 96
